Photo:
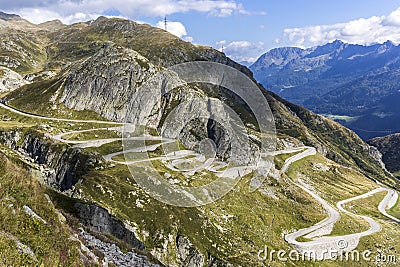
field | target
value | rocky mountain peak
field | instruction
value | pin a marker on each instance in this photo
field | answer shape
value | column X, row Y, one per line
column 6, row 16
column 331, row 49
column 52, row 25
column 386, row 46
column 337, row 43
column 278, row 57
column 359, row 81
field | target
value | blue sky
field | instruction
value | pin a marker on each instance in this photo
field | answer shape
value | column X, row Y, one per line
column 246, row 29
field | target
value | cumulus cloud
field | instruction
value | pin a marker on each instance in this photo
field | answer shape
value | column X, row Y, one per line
column 361, row 31
column 188, row 39
column 70, row 11
column 242, row 51
column 393, row 19
column 37, row 16
column 174, row 27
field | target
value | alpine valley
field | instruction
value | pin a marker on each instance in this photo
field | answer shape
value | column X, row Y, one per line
column 355, row 85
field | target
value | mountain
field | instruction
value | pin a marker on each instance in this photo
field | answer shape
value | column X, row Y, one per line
column 5, row 16
column 389, row 147
column 53, row 25
column 350, row 83
column 61, row 132
column 9, row 22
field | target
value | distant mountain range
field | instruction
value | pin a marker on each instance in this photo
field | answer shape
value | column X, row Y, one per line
column 356, row 85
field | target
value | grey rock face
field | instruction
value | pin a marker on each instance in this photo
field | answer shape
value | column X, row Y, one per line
column 187, row 253
column 10, row 80
column 100, row 220
column 113, row 253
column 215, row 262
column 106, row 81
column 109, row 82
column 69, row 164
column 376, row 155
column 10, row 139
column 120, row 84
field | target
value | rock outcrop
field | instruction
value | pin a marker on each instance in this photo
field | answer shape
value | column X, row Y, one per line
column 100, row 220
column 68, row 164
column 106, row 81
column 388, row 147
column 113, row 253
column 10, row 80
column 188, row 254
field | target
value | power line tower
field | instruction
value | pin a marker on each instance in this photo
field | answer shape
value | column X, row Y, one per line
column 165, row 23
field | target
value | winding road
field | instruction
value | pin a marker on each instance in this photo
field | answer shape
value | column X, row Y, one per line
column 323, row 247
column 30, row 115
column 321, row 244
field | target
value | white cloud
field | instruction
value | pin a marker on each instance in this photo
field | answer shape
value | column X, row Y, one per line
column 242, row 51
column 70, row 11
column 360, row 31
column 393, row 19
column 174, row 27
column 221, row 42
column 36, row 15
column 188, row 39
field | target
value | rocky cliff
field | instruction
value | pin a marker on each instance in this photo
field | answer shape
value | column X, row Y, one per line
column 389, row 147
column 10, row 80
column 67, row 165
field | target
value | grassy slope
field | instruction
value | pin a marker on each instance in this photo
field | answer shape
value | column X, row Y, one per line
column 339, row 143
column 28, row 48
column 36, row 98
column 340, row 183
column 250, row 226
column 49, row 242
column 80, row 41
column 386, row 242
column 395, row 210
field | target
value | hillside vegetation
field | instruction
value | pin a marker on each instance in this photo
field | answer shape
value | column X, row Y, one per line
column 96, row 67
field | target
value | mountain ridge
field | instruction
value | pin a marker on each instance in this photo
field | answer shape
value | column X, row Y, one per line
column 337, row 79
column 6, row 16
